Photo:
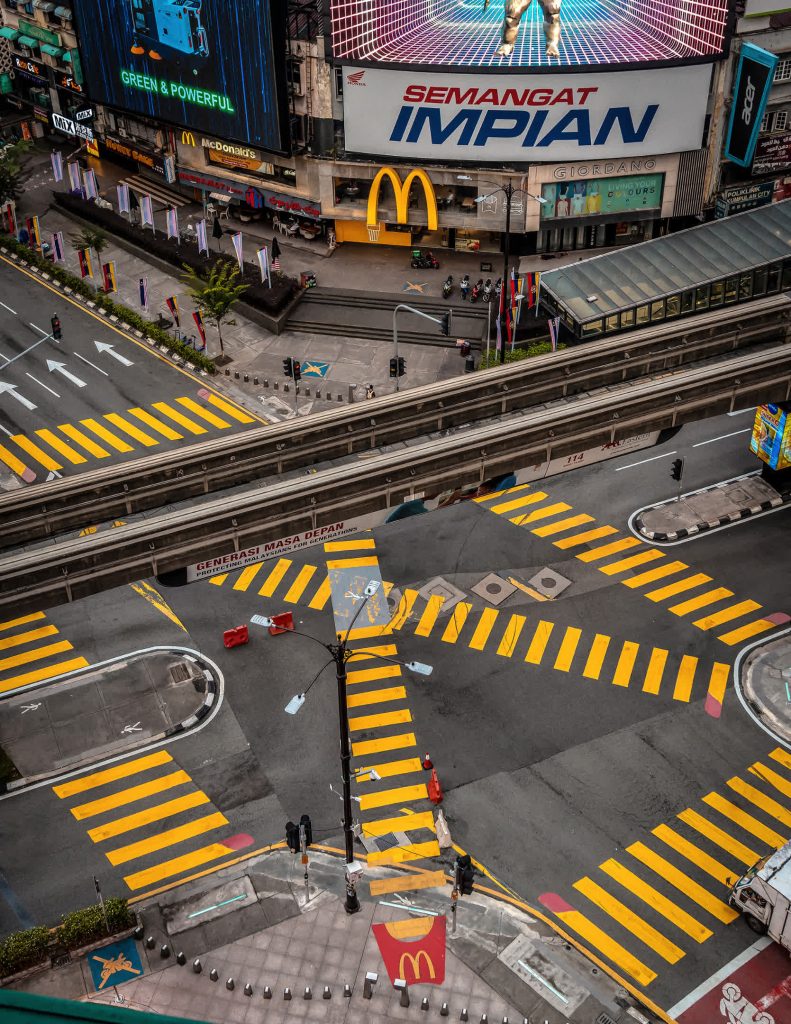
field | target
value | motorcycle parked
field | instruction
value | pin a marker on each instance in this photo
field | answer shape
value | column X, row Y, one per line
column 424, row 260
column 475, row 294
column 465, row 286
column 488, row 290
column 447, row 287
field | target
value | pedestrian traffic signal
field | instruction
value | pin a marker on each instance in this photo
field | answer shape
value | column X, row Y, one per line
column 394, row 367
column 297, row 369
column 57, row 330
column 401, row 366
column 465, row 873
column 444, row 325
column 304, row 823
column 288, row 366
column 677, row 469
column 292, row 836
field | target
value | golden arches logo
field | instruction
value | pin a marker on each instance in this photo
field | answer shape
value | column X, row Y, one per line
column 401, row 191
column 187, row 138
column 414, row 961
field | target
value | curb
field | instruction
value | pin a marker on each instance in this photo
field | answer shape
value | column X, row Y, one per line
column 702, row 527
column 203, row 710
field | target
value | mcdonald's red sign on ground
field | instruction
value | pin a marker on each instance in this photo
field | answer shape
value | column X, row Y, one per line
column 420, row 962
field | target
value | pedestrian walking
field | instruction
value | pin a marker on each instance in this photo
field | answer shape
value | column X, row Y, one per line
column 369, row 391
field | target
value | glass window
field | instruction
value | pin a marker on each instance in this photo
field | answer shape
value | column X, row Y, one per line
column 783, row 70
column 717, row 293
column 702, row 298
column 731, row 285
column 594, row 327
column 781, row 121
column 787, row 274
column 627, row 318
column 611, row 323
column 658, row 310
column 773, row 280
column 745, row 287
column 759, row 282
column 673, row 306
column 687, row 301
column 766, row 121
column 642, row 314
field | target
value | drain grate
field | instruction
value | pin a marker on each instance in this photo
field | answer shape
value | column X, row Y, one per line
column 62, row 960
column 179, row 673
column 605, row 1018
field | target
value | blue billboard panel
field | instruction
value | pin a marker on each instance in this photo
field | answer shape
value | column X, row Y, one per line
column 754, row 76
column 210, row 65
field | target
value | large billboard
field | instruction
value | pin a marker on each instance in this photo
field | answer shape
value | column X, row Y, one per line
column 771, row 436
column 602, row 196
column 753, row 81
column 518, row 34
column 494, row 118
column 209, row 64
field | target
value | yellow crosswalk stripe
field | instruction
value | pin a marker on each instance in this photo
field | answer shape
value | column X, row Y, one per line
column 391, row 768
column 783, row 758
column 766, row 803
column 404, row 609
column 13, row 463
column 692, row 853
column 684, row 678
column 511, row 635
column 661, row 904
column 701, row 600
column 407, row 883
column 483, row 629
column 515, row 503
column 629, row 563
column 613, row 950
column 562, row 525
column 568, row 647
column 129, row 428
column 385, row 743
column 656, row 667
column 32, row 449
column 118, row 771
column 352, row 563
column 626, row 659
column 157, row 813
column 176, row 866
column 385, row 797
column 543, row 513
column 493, row 495
column 717, row 836
column 107, row 436
column 198, row 410
column 178, row 417
column 585, row 537
column 596, row 656
column 652, row 575
column 350, row 545
column 605, row 550
column 718, row 681
column 368, row 632
column 60, row 446
column 27, row 638
column 217, row 581
column 381, row 720
column 736, row 636
column 297, row 588
column 23, row 620
column 538, row 644
column 40, row 674
column 402, row 854
column 629, row 920
column 366, row 653
column 767, row 775
column 37, row 654
column 360, row 700
column 678, row 588
column 367, row 675
column 429, row 616
column 744, row 820
column 228, row 408
column 457, row 619
column 734, row 611
column 82, row 439
column 401, row 823
column 275, row 577
column 686, row 885
column 247, row 575
column 170, row 837
column 322, row 595
column 161, row 428
column 128, row 796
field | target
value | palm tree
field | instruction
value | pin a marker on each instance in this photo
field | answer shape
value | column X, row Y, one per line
column 91, row 238
column 216, row 293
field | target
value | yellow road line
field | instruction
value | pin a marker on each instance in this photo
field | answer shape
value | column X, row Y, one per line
column 183, row 421
column 596, row 656
column 744, row 820
column 404, row 609
column 511, row 635
column 379, row 746
column 128, row 796
column 367, row 632
column 701, row 600
column 228, row 408
column 767, row 775
column 107, row 436
column 119, row 771
column 613, row 950
column 542, row 513
column 457, row 619
column 350, row 545
column 384, row 797
column 661, row 904
column 37, row 453
column 678, row 588
column 322, row 595
column 629, row 920
column 60, row 446
column 13, row 463
column 27, row 638
column 176, row 866
column 527, row 590
column 745, row 632
column 87, row 443
column 685, row 678
column 23, row 620
column 297, row 588
column 585, row 537
column 766, row 803
column 656, row 667
column 40, row 674
column 515, row 503
column 381, row 720
column 717, row 836
column 407, row 883
column 695, row 855
column 718, row 681
column 151, row 421
column 368, row 675
column 402, row 854
column 567, row 648
column 169, row 837
column 129, row 428
column 37, row 654
column 483, row 629
column 686, row 885
column 538, row 644
column 629, row 563
column 198, row 410
column 668, row 569
column 561, row 525
column 274, row 578
column 429, row 616
column 782, row 757
column 626, row 659
column 366, row 653
column 391, row 768
column 734, row 611
column 352, row 563
column 493, row 495
column 247, row 575
column 360, row 700
column 157, row 813
column 604, row 550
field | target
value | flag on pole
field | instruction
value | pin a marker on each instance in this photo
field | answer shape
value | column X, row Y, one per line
column 203, row 244
column 554, row 325
column 236, row 238
column 173, row 223
column 123, row 197
column 530, row 289
column 144, row 292
column 275, row 256
column 57, row 165
column 58, row 247
column 216, row 231
column 196, row 316
column 263, row 262
column 74, row 177
column 538, row 290
column 146, row 211
column 33, row 231
column 10, row 219
column 89, row 183
column 108, row 273
column 84, row 257
column 173, row 306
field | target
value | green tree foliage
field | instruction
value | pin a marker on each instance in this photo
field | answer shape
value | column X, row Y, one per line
column 14, row 171
column 91, row 238
column 215, row 293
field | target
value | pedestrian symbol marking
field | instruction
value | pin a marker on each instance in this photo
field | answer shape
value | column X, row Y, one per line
column 314, row 368
column 115, row 964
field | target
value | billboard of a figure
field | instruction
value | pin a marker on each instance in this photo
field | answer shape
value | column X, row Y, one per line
column 512, row 34
column 211, row 65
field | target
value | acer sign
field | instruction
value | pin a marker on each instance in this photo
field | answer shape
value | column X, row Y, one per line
column 753, row 82
column 547, row 118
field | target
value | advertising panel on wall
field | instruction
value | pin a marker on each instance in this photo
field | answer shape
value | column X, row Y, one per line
column 771, row 436
column 209, row 64
column 515, row 34
column 743, row 197
column 772, row 154
column 764, row 8
column 458, row 116
column 601, row 197
column 750, row 93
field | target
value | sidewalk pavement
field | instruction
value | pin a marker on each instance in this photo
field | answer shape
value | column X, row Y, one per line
column 251, row 923
column 764, row 683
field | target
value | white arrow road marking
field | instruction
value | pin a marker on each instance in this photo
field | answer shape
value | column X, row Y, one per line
column 61, row 368
column 55, row 393
column 54, row 475
column 30, row 707
column 77, row 354
column 137, row 727
column 5, row 386
column 103, row 346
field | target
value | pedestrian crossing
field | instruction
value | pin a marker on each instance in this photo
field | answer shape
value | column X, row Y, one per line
column 32, row 650
column 648, row 907
column 140, row 809
column 635, row 564
column 134, row 432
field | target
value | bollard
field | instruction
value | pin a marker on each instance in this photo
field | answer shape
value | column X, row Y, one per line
column 248, row 989
column 255, row 380
column 227, row 372
column 230, row 985
column 181, row 958
column 327, row 993
column 197, row 966
column 424, row 1003
column 464, row 1015
column 150, row 943
column 287, row 993
column 505, row 1020
column 236, row 375
column 444, row 1010
column 214, row 975
column 267, row 992
column 484, row 1018
column 347, row 991
column 164, row 951
column 371, row 979
column 308, row 994
column 247, row 378
column 138, row 932
column 401, row 986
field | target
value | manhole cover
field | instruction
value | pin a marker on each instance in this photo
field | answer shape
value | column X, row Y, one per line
column 549, row 583
column 494, row 589
column 439, row 587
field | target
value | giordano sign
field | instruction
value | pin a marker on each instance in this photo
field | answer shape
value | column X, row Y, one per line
column 401, row 191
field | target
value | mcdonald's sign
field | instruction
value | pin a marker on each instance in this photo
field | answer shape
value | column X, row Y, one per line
column 401, row 191
column 420, row 962
column 187, row 138
column 414, row 963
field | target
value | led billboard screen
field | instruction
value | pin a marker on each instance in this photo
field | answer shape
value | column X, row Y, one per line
column 505, row 34
column 771, row 436
column 207, row 64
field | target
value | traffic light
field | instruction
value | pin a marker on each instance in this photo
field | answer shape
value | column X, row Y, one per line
column 304, row 822
column 288, row 367
column 292, row 836
column 465, row 873
column 445, row 323
column 677, row 469
column 297, row 369
column 394, row 367
column 401, row 366
column 57, row 330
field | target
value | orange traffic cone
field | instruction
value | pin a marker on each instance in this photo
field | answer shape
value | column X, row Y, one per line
column 428, row 764
column 434, row 788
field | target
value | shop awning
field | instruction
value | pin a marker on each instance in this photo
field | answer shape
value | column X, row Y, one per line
column 9, row 33
column 53, row 51
column 27, row 41
column 63, row 12
column 44, row 5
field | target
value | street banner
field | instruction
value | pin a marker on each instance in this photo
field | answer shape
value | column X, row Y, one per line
column 203, row 242
column 84, row 257
column 123, row 197
column 236, row 238
column 57, row 165
column 554, row 325
column 75, row 182
column 34, row 232
column 196, row 316
column 143, row 286
column 263, row 262
column 173, row 306
column 10, row 219
column 108, row 273
column 89, row 182
column 172, row 219
column 275, row 262
column 146, row 212
column 58, row 247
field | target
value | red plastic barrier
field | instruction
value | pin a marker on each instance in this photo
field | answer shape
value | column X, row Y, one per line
column 282, row 623
column 435, row 793
column 235, row 637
